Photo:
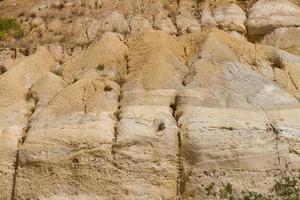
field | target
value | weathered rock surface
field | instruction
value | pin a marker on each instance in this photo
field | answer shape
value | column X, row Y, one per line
column 230, row 17
column 266, row 15
column 149, row 99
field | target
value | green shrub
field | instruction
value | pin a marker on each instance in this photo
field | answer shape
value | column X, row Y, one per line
column 18, row 34
column 285, row 188
column 226, row 192
column 250, row 195
column 10, row 27
column 210, row 191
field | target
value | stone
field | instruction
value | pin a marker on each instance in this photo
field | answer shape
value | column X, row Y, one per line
column 15, row 109
column 207, row 19
column 149, row 99
column 265, row 16
column 114, row 22
column 107, row 57
column 230, row 17
column 139, row 23
column 55, row 26
column 286, row 38
column 186, row 20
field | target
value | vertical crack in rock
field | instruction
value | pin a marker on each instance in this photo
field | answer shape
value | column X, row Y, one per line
column 117, row 114
column 174, row 17
column 117, row 124
column 87, row 34
column 180, row 177
column 84, row 100
column 127, row 63
column 16, row 166
column 275, row 130
column 29, row 97
column 121, row 81
column 292, row 81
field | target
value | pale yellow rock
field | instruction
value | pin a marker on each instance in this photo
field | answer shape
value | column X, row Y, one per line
column 287, row 121
column 106, row 56
column 267, row 15
column 112, row 109
column 139, row 23
column 15, row 109
column 15, row 103
column 114, row 22
column 207, row 19
column 283, row 38
column 72, row 137
column 46, row 89
column 186, row 20
column 55, row 26
column 162, row 19
column 146, row 150
column 230, row 17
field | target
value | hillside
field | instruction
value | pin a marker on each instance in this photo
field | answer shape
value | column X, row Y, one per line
column 149, row 99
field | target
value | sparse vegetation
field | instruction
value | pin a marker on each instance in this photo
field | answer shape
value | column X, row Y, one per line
column 10, row 27
column 210, row 191
column 284, row 189
column 161, row 127
column 100, row 67
column 276, row 60
column 226, row 192
column 250, row 195
column 287, row 188
column 107, row 88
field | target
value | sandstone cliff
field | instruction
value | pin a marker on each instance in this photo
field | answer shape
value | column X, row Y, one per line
column 140, row 99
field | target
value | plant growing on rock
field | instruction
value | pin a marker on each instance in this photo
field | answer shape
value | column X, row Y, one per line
column 285, row 188
column 276, row 60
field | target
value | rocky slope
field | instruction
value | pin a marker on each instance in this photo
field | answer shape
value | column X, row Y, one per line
column 141, row 99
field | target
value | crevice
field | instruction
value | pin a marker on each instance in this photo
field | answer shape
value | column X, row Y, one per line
column 121, row 81
column 29, row 97
column 118, row 113
column 87, row 34
column 181, row 175
column 127, row 64
column 174, row 17
column 16, row 166
column 271, row 126
column 277, row 132
column 292, row 81
column 84, row 100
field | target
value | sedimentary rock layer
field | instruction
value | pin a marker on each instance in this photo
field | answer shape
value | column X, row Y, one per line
column 149, row 99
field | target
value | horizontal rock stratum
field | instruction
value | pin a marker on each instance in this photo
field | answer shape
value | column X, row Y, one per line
column 158, row 100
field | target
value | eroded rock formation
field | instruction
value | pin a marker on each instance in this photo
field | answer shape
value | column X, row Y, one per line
column 148, row 99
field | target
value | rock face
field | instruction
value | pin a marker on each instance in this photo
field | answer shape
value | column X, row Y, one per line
column 230, row 17
column 267, row 15
column 149, row 99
